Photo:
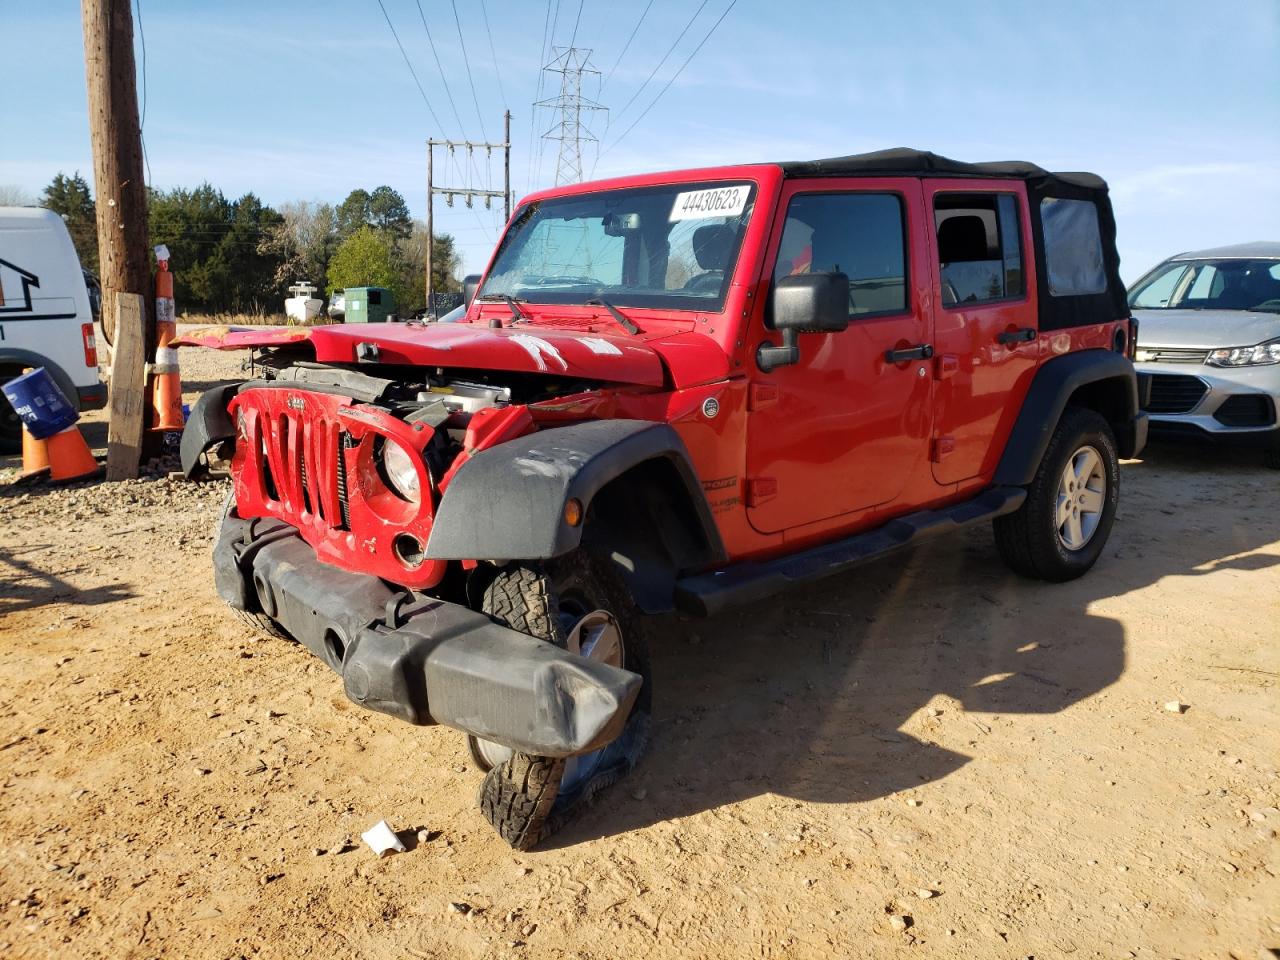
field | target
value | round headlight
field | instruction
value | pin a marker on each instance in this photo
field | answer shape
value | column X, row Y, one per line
column 400, row 471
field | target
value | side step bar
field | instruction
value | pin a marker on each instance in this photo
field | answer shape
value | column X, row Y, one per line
column 707, row 594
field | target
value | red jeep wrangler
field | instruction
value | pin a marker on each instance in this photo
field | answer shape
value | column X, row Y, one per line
column 681, row 391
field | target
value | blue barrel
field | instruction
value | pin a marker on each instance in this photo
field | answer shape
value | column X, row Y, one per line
column 44, row 409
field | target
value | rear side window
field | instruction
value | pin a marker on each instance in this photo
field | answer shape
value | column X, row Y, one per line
column 1072, row 247
column 862, row 235
column 979, row 247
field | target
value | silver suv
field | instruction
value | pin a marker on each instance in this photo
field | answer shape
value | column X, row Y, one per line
column 1208, row 354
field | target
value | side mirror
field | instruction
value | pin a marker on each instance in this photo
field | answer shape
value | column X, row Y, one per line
column 470, row 284
column 804, row 303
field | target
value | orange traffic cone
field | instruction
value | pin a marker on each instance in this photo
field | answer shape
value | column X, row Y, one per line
column 70, row 457
column 35, row 455
column 166, row 383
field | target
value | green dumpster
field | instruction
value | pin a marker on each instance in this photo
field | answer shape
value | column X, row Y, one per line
column 369, row 304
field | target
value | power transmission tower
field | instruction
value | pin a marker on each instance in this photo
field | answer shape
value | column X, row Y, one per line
column 467, row 193
column 569, row 129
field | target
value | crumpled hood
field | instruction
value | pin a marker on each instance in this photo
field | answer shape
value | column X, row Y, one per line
column 531, row 349
column 1205, row 329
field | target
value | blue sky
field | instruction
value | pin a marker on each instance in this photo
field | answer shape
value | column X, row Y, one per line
column 1176, row 103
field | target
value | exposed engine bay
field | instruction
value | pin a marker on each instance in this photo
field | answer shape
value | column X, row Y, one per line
column 357, row 459
column 442, row 398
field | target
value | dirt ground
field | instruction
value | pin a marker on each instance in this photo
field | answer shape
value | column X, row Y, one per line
column 929, row 757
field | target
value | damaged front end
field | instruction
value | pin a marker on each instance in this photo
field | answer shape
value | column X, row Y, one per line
column 337, row 475
column 422, row 659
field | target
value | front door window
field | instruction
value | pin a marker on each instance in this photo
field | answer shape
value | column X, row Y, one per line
column 857, row 234
column 849, row 429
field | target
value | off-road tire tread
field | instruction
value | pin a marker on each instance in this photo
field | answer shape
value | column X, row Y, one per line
column 518, row 598
column 261, row 623
column 1027, row 544
column 517, row 796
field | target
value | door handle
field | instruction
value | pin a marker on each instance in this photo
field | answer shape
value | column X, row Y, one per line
column 1021, row 335
column 921, row 351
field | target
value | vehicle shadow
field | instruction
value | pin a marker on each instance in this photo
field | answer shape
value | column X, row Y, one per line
column 826, row 694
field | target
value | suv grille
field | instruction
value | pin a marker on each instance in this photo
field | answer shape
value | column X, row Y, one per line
column 1175, row 393
column 1247, row 410
column 312, row 460
column 303, row 470
column 1173, row 355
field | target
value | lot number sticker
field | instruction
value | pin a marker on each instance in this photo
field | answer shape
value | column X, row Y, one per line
column 716, row 202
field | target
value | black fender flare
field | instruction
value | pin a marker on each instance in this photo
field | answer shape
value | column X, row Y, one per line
column 27, row 358
column 507, row 502
column 208, row 425
column 1057, row 380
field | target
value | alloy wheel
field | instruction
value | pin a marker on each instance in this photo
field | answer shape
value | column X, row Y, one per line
column 1082, row 495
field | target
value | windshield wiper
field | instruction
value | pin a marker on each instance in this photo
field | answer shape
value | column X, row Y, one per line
column 617, row 314
column 511, row 302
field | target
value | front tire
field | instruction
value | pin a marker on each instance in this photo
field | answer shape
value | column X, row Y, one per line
column 1062, row 527
column 527, row 798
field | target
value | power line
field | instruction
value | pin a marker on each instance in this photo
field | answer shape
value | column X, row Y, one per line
column 448, row 93
column 533, row 115
column 732, row 3
column 142, row 122
column 576, row 20
column 443, row 79
column 467, row 63
column 493, row 53
column 413, row 73
column 627, row 45
column 670, row 50
column 551, row 40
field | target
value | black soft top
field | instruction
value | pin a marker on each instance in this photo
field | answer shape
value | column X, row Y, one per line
column 1056, row 310
column 903, row 161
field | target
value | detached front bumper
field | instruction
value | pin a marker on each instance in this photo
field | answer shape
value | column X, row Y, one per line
column 423, row 660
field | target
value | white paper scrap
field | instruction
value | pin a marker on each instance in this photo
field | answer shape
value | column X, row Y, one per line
column 382, row 840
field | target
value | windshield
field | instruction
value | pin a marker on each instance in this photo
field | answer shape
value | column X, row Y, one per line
column 672, row 247
column 1210, row 285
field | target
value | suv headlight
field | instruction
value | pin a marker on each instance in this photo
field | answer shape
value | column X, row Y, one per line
column 401, row 475
column 1263, row 353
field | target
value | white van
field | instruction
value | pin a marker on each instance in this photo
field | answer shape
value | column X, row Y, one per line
column 45, row 316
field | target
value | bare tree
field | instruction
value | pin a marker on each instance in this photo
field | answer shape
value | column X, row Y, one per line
column 12, row 195
column 304, row 242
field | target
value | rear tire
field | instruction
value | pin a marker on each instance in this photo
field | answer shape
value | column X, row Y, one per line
column 525, row 797
column 1035, row 540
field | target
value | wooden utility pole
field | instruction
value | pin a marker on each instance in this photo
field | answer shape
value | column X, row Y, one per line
column 431, row 234
column 121, row 201
column 506, row 167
